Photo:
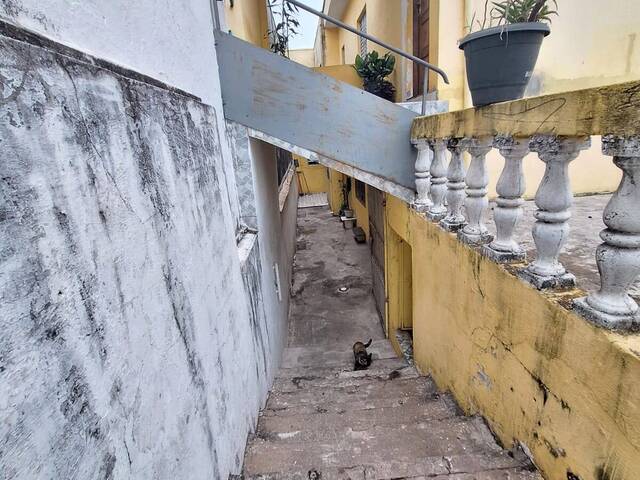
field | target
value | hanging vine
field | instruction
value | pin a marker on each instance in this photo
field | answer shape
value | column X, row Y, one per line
column 286, row 27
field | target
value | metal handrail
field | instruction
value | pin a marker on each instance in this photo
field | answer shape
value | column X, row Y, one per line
column 427, row 66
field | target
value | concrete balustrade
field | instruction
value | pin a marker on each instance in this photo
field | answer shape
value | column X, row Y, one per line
column 476, row 203
column 422, row 167
column 438, row 187
column 618, row 257
column 553, row 199
column 556, row 135
column 510, row 188
column 454, row 219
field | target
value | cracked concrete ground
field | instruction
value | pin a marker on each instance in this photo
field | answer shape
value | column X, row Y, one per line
column 323, row 420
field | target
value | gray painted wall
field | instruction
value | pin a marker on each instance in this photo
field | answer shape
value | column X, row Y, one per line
column 132, row 332
column 276, row 233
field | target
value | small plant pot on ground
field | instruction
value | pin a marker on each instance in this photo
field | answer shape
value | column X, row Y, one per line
column 500, row 60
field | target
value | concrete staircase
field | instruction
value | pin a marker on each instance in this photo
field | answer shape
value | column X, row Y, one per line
column 382, row 423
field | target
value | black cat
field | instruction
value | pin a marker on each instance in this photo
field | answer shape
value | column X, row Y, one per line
column 361, row 357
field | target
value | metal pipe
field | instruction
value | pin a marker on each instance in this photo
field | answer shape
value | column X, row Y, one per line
column 329, row 19
column 425, row 89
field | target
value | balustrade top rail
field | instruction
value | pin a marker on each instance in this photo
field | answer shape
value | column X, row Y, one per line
column 608, row 110
column 555, row 127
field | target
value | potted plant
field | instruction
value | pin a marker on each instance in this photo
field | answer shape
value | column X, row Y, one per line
column 500, row 59
column 373, row 69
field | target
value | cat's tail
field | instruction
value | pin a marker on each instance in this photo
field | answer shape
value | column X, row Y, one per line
column 368, row 344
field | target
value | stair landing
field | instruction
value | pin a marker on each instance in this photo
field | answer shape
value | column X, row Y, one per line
column 324, row 420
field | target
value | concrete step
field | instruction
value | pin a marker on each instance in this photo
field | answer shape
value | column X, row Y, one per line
column 295, row 357
column 315, row 425
column 500, row 474
column 379, row 367
column 349, row 406
column 361, row 393
column 438, row 468
column 340, row 378
column 401, row 445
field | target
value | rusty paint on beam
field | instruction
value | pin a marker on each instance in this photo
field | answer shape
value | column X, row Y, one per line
column 613, row 109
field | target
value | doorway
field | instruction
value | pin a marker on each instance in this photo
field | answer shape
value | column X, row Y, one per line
column 376, row 238
column 420, row 42
column 399, row 284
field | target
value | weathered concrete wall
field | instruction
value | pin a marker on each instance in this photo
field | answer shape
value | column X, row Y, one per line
column 168, row 40
column 127, row 345
column 171, row 40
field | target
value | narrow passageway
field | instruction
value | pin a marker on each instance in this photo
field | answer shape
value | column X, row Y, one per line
column 328, row 260
column 324, row 420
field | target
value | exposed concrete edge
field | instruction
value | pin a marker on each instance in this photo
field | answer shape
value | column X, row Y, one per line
column 245, row 246
column 285, row 187
column 380, row 183
column 36, row 39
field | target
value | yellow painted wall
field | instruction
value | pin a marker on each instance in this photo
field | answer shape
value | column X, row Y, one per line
column 247, row 19
column 347, row 39
column 334, row 195
column 360, row 210
column 537, row 372
column 312, row 178
column 332, row 47
column 303, row 56
column 446, row 27
column 398, row 284
column 344, row 73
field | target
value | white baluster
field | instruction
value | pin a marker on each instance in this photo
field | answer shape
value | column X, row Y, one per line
column 511, row 186
column 454, row 219
column 422, row 202
column 476, row 204
column 438, row 181
column 618, row 257
column 553, row 199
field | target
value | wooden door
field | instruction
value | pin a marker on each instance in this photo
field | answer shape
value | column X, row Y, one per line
column 376, row 203
column 420, row 41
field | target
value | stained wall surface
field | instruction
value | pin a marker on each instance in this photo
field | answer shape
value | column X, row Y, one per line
column 134, row 338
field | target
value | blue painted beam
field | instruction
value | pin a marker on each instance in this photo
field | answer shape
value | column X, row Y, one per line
column 291, row 102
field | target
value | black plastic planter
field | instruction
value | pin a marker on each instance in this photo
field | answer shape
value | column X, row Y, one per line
column 500, row 60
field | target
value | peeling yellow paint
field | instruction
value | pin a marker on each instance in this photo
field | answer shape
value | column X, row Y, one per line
column 536, row 371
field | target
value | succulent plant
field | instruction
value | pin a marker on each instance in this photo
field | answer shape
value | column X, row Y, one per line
column 373, row 69
column 519, row 11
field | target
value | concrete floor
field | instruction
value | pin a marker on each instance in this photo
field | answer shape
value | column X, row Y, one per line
column 324, row 419
column 328, row 258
